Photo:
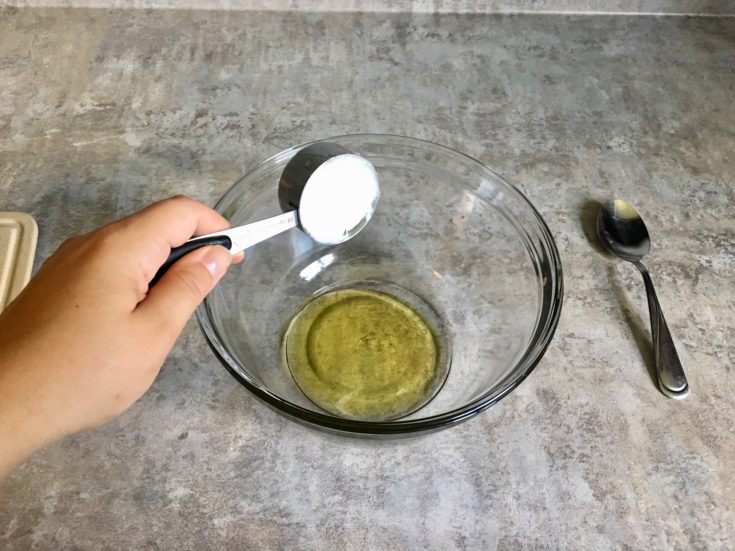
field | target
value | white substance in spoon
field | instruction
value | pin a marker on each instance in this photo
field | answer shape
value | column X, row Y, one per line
column 339, row 199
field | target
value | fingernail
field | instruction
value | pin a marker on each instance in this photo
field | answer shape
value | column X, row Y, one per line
column 217, row 259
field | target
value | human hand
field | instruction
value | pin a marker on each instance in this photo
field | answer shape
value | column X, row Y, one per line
column 87, row 337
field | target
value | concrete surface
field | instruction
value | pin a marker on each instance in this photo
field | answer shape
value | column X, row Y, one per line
column 104, row 111
column 659, row 7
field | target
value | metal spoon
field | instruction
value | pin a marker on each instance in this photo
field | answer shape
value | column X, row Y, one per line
column 623, row 233
column 318, row 185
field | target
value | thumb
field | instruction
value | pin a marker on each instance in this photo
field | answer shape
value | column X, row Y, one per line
column 171, row 302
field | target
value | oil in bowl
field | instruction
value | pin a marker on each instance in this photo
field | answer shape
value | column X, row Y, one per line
column 370, row 352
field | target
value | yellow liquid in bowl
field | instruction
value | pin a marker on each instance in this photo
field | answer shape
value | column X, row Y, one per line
column 363, row 354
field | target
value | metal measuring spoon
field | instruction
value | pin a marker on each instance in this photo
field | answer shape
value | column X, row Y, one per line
column 623, row 233
column 325, row 190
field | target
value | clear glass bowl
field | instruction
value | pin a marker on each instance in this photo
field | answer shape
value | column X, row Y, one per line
column 447, row 230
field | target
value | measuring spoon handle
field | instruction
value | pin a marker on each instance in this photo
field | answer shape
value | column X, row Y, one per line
column 191, row 245
column 234, row 239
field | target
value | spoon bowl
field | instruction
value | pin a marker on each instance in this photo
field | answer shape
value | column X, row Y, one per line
column 622, row 231
column 334, row 191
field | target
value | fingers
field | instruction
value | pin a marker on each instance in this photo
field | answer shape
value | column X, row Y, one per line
column 173, row 221
column 238, row 257
column 149, row 235
column 172, row 300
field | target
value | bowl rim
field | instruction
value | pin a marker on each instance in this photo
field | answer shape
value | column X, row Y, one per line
column 540, row 341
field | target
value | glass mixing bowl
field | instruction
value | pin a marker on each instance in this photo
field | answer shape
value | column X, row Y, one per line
column 448, row 232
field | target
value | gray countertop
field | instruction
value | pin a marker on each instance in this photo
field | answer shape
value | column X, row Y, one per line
column 102, row 112
column 627, row 7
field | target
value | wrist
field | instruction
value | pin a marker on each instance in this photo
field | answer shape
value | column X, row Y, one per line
column 24, row 425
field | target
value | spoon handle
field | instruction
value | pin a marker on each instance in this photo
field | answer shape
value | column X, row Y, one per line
column 186, row 248
column 235, row 239
column 671, row 378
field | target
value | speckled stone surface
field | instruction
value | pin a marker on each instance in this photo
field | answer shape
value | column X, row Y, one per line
column 688, row 7
column 103, row 111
